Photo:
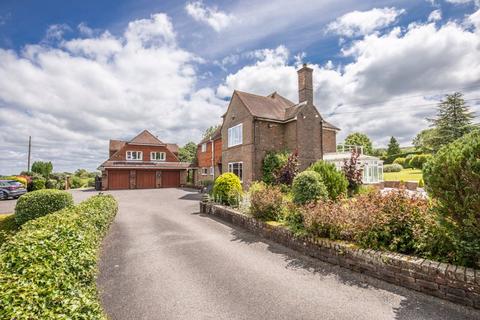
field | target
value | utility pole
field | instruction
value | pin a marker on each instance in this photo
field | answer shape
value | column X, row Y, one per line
column 29, row 152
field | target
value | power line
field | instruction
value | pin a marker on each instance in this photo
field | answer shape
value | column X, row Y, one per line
column 390, row 108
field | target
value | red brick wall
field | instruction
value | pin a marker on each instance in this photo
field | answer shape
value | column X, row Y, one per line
column 122, row 154
column 205, row 158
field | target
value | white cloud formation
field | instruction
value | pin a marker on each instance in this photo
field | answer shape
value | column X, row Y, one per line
column 357, row 23
column 386, row 89
column 435, row 15
column 215, row 18
column 73, row 96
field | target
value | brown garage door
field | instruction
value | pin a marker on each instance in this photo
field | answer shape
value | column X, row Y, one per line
column 118, row 179
column 170, row 179
column 145, row 179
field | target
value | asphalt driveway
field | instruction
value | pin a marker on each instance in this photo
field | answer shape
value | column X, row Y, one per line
column 163, row 260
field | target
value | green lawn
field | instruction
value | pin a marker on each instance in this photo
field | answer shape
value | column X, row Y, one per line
column 404, row 175
column 7, row 226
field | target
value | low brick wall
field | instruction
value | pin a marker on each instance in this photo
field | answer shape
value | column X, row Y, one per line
column 410, row 185
column 446, row 281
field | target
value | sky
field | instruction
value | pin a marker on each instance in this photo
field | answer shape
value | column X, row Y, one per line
column 74, row 74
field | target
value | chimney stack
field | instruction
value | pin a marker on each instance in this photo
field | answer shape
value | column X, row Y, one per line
column 305, row 84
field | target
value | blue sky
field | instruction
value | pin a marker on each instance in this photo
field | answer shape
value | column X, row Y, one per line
column 75, row 74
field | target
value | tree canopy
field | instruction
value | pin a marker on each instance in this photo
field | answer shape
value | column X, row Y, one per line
column 393, row 147
column 43, row 168
column 360, row 139
column 209, row 131
column 188, row 152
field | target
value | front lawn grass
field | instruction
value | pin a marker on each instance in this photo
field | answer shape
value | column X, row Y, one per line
column 8, row 226
column 404, row 175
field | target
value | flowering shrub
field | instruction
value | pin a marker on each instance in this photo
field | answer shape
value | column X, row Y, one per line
column 353, row 172
column 395, row 221
column 288, row 171
column 266, row 203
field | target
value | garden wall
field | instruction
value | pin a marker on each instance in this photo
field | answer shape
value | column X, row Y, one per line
column 446, row 281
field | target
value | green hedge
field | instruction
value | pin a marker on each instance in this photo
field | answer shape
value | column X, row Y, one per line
column 48, row 269
column 41, row 202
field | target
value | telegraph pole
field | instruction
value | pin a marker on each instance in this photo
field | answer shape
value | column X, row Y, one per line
column 29, row 152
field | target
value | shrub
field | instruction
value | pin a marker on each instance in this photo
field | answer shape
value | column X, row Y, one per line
column 51, row 184
column 334, row 180
column 452, row 177
column 419, row 160
column 266, row 203
column 76, row 182
column 288, row 171
column 400, row 161
column 39, row 203
column 353, row 172
column 392, row 168
column 37, row 184
column 395, row 221
column 227, row 189
column 307, row 187
column 48, row 268
column 272, row 162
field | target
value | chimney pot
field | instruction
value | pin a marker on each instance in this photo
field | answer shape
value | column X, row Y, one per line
column 305, row 84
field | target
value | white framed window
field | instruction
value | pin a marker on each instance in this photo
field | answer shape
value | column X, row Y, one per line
column 211, row 171
column 135, row 155
column 157, row 156
column 204, row 171
column 235, row 135
column 204, row 147
column 236, row 168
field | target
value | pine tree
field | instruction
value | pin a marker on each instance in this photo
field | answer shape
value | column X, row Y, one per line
column 393, row 147
column 454, row 119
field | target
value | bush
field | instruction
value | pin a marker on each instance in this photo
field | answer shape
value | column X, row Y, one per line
column 395, row 221
column 419, row 160
column 399, row 161
column 334, row 180
column 266, row 202
column 227, row 189
column 51, row 184
column 272, row 162
column 37, row 184
column 452, row 177
column 39, row 203
column 48, row 268
column 285, row 174
column 392, row 168
column 22, row 180
column 76, row 182
column 307, row 187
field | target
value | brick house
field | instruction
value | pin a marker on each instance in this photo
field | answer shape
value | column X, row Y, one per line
column 142, row 163
column 209, row 157
column 254, row 125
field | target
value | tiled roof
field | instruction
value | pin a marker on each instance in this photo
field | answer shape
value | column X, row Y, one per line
column 145, row 137
column 116, row 145
column 173, row 147
column 273, row 107
column 143, row 165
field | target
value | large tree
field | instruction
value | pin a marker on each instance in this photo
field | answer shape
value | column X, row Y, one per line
column 360, row 139
column 453, row 120
column 188, row 152
column 42, row 167
column 424, row 140
column 393, row 147
column 209, row 131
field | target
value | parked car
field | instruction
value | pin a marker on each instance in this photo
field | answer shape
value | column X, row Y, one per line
column 11, row 189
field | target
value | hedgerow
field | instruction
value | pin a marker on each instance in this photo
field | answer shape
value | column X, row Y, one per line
column 48, row 268
column 39, row 203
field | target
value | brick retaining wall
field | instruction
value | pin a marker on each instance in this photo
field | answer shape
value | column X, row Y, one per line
column 446, row 281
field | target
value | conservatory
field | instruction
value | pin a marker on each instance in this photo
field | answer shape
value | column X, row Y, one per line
column 372, row 166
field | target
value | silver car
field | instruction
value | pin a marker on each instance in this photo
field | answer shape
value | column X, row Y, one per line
column 11, row 189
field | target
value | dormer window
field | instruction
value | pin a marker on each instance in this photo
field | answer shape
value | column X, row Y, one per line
column 157, row 156
column 134, row 155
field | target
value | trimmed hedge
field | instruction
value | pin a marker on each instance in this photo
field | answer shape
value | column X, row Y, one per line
column 48, row 268
column 392, row 167
column 39, row 203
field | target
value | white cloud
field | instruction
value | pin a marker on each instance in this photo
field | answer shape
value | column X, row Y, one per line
column 357, row 23
column 435, row 15
column 73, row 96
column 476, row 2
column 386, row 88
column 215, row 18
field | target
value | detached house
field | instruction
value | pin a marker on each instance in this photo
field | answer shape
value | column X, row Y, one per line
column 254, row 125
column 141, row 163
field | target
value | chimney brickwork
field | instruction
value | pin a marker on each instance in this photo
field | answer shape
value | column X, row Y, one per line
column 305, row 84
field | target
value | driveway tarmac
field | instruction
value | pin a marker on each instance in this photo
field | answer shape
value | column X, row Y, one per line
column 164, row 260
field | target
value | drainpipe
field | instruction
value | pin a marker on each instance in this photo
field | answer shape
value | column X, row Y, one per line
column 213, row 157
